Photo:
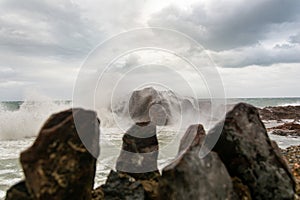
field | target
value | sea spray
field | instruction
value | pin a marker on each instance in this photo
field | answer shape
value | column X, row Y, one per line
column 28, row 119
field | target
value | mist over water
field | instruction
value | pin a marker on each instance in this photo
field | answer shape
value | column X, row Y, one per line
column 24, row 119
column 20, row 119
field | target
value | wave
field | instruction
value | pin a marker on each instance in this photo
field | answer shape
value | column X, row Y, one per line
column 27, row 117
column 290, row 104
column 24, row 119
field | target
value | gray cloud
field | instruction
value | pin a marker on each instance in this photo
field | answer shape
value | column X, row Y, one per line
column 257, row 55
column 295, row 38
column 42, row 43
column 221, row 25
column 45, row 28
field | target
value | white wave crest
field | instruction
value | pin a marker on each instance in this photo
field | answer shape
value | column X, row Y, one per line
column 28, row 119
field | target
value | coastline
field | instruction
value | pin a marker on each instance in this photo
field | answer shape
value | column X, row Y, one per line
column 290, row 155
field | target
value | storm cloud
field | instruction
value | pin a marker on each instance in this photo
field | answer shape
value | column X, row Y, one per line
column 43, row 43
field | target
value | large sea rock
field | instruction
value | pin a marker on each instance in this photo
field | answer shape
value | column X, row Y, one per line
column 162, row 107
column 58, row 165
column 249, row 154
column 192, row 177
column 148, row 104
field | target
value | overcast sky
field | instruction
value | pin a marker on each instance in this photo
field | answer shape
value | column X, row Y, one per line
column 256, row 44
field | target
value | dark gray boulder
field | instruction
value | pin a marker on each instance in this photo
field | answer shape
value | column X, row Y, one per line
column 248, row 153
column 148, row 104
column 58, row 165
column 192, row 177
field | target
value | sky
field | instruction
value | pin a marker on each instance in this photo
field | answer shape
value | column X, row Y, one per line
column 255, row 44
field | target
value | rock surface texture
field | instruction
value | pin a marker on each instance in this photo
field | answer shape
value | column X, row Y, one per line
column 137, row 173
column 58, row 165
column 248, row 154
column 280, row 112
column 148, row 104
column 292, row 156
column 192, row 177
column 122, row 186
column 139, row 153
column 287, row 129
column 18, row 192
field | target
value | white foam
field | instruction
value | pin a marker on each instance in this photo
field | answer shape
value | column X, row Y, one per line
column 291, row 104
column 2, row 194
column 26, row 121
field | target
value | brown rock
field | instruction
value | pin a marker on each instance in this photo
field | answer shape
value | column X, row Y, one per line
column 139, row 153
column 58, row 165
column 192, row 177
column 151, row 188
column 18, row 192
column 121, row 186
column 292, row 157
column 97, row 194
column 242, row 191
column 287, row 129
column 280, row 112
column 248, row 154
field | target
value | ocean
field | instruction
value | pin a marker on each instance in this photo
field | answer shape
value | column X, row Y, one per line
column 20, row 122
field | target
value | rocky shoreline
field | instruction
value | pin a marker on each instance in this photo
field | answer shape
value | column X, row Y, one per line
column 280, row 112
column 243, row 164
column 292, row 157
column 287, row 129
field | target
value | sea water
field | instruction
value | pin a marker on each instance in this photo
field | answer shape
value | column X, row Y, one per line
column 20, row 123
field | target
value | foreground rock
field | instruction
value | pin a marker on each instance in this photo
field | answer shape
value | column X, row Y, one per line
column 18, row 192
column 190, row 177
column 280, row 112
column 137, row 173
column 249, row 155
column 58, row 165
column 287, row 129
column 138, row 157
column 120, row 186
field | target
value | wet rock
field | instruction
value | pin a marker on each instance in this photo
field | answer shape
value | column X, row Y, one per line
column 241, row 190
column 121, row 186
column 149, row 105
column 58, row 165
column 97, row 194
column 280, row 112
column 292, row 157
column 192, row 177
column 18, row 192
column 287, row 129
column 151, row 188
column 248, row 154
column 139, row 153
